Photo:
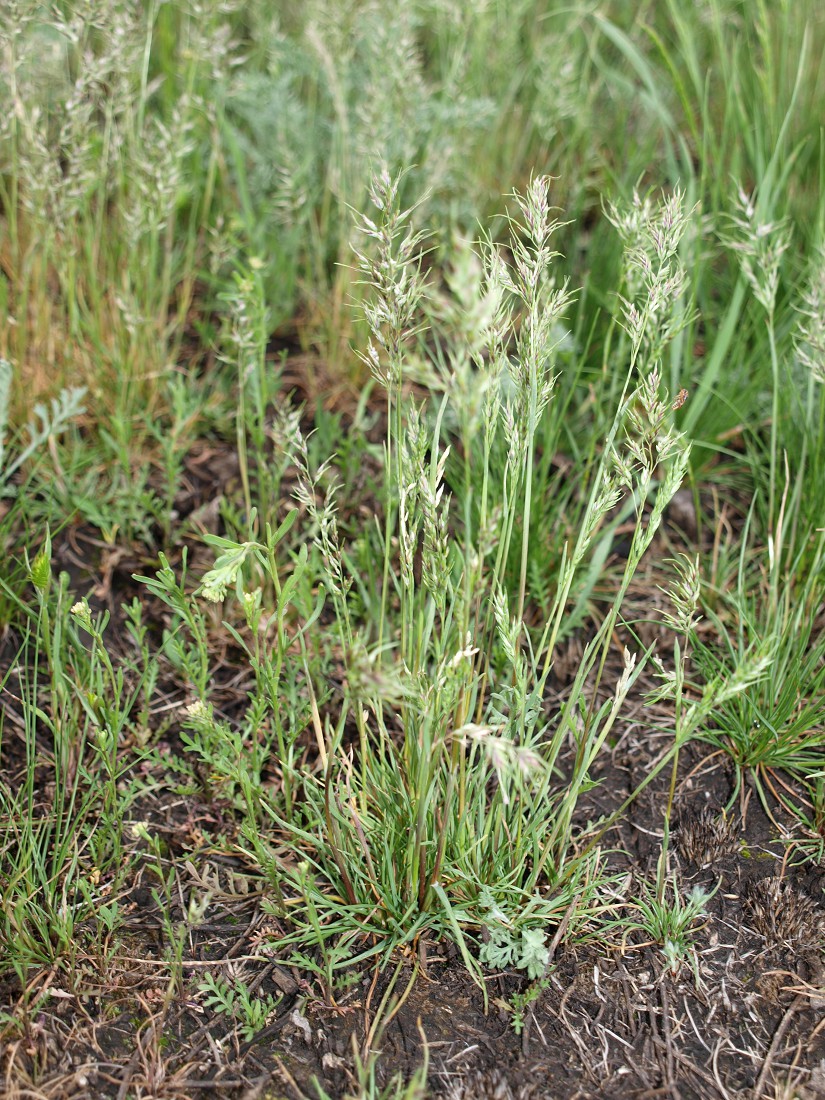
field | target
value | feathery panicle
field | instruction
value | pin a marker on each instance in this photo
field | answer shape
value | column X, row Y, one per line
column 654, row 277
column 684, row 596
column 392, row 268
column 760, row 246
column 810, row 332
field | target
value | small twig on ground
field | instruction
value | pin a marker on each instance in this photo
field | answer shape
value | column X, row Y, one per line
column 779, row 1034
column 671, row 1061
column 290, row 1080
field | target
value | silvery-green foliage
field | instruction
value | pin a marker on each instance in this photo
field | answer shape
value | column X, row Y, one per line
column 345, row 90
column 507, row 946
column 47, row 420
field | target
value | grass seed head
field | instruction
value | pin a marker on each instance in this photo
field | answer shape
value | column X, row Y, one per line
column 810, row 333
column 760, row 246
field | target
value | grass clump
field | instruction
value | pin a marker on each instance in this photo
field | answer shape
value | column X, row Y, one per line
column 103, row 203
column 444, row 798
column 54, row 857
column 773, row 730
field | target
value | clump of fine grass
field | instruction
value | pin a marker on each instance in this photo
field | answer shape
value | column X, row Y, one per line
column 435, row 807
column 773, row 730
column 62, row 845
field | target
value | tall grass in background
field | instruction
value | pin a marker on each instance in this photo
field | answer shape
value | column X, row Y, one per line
column 444, row 90
column 107, row 179
column 151, row 145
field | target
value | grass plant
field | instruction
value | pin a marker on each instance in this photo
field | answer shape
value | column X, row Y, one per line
column 451, row 819
column 103, row 204
column 772, row 731
column 669, row 919
column 54, row 857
